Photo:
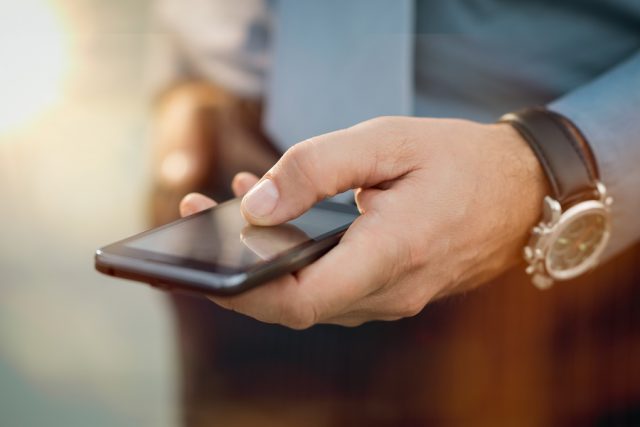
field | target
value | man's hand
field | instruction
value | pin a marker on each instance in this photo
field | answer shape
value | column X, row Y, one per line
column 446, row 205
column 202, row 134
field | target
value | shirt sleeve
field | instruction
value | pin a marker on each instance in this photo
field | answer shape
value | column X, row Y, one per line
column 225, row 42
column 607, row 111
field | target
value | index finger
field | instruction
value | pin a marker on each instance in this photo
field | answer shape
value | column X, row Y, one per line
column 323, row 290
column 323, row 166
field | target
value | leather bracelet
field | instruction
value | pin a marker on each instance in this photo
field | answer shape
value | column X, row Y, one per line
column 562, row 150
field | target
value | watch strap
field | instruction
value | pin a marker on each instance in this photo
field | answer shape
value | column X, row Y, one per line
column 563, row 152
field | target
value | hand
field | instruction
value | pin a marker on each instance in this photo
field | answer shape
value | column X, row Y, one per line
column 194, row 202
column 183, row 140
column 201, row 136
column 446, row 205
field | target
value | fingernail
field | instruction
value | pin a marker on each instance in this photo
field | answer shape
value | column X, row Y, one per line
column 261, row 200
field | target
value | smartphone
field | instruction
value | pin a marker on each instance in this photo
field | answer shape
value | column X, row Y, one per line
column 217, row 252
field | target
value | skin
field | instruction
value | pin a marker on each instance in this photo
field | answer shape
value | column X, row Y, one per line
column 191, row 121
column 446, row 206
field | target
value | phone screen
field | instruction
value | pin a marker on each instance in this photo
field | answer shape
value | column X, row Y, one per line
column 221, row 236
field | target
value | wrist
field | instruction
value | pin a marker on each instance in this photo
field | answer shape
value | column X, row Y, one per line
column 575, row 226
column 529, row 186
column 513, row 187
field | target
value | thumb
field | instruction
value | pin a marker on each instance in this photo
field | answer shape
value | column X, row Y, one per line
column 361, row 156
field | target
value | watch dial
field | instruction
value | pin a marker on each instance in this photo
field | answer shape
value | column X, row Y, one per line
column 577, row 242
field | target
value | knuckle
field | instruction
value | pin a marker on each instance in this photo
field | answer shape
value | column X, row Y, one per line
column 301, row 162
column 298, row 315
column 409, row 308
column 382, row 122
column 417, row 253
column 224, row 302
column 398, row 152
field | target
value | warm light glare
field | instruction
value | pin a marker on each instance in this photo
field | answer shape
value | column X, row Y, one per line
column 33, row 60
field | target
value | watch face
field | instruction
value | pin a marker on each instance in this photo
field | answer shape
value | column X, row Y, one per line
column 578, row 242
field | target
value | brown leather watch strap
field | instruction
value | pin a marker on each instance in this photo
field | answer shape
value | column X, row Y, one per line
column 563, row 152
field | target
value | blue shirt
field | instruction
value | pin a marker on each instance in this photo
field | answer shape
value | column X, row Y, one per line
column 334, row 63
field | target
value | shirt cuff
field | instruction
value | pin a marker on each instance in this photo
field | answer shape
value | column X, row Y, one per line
column 607, row 112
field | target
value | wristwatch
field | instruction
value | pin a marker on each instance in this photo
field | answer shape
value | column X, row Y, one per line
column 575, row 225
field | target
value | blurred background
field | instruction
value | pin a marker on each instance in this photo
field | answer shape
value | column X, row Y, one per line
column 78, row 170
column 76, row 348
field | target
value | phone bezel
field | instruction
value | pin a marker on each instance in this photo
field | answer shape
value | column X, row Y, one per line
column 178, row 273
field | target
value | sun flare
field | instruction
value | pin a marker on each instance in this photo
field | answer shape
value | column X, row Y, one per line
column 33, row 60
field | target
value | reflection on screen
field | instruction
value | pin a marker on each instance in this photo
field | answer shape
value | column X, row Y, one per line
column 223, row 237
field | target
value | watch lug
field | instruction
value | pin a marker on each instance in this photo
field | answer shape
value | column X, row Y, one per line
column 551, row 211
column 604, row 198
column 533, row 252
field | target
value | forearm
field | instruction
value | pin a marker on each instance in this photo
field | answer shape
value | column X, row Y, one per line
column 607, row 112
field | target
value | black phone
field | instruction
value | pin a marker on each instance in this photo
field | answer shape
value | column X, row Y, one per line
column 217, row 252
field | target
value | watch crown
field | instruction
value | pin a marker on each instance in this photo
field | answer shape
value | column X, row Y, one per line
column 601, row 193
column 551, row 211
